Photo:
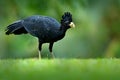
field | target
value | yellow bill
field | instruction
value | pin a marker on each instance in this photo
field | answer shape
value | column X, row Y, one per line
column 72, row 25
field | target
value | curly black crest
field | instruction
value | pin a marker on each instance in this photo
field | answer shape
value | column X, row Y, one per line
column 66, row 18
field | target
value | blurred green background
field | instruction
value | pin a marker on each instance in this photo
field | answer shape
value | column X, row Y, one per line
column 97, row 32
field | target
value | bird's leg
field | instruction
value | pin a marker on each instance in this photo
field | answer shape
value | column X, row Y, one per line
column 40, row 48
column 50, row 49
column 39, row 53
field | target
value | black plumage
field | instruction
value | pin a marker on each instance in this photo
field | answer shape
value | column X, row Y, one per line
column 46, row 29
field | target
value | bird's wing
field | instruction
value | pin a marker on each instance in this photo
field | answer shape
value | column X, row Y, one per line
column 31, row 24
column 40, row 25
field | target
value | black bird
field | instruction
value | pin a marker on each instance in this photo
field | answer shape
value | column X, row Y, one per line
column 46, row 29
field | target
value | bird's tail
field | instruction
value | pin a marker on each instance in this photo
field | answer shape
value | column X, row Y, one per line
column 15, row 28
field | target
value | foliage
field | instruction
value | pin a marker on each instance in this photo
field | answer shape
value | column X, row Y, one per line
column 97, row 32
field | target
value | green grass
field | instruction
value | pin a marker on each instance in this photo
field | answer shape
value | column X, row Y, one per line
column 60, row 69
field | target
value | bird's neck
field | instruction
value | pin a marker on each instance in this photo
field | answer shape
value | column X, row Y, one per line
column 63, row 28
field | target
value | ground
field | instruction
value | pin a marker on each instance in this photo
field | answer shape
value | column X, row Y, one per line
column 60, row 69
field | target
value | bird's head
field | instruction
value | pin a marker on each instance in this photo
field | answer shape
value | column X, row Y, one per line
column 67, row 20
